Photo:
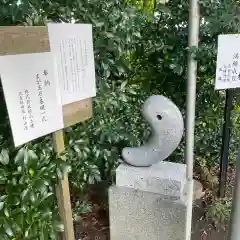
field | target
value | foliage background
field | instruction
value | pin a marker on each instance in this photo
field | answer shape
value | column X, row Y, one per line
column 140, row 49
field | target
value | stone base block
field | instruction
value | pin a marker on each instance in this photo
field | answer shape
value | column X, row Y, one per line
column 164, row 178
column 139, row 215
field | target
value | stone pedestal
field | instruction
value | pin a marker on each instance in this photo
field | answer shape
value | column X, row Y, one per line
column 165, row 178
column 139, row 215
column 148, row 203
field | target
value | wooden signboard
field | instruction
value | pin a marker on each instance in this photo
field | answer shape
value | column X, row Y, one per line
column 23, row 40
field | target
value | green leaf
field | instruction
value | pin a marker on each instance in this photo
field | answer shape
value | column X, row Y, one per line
column 24, row 208
column 58, row 227
column 25, row 195
column 3, row 197
column 3, row 176
column 1, row 205
column 43, row 233
column 26, row 157
column 15, row 200
column 19, row 159
column 40, row 185
column 26, row 233
column 123, row 85
column 6, row 212
column 109, row 35
column 99, row 24
column 4, row 157
column 46, row 196
column 76, row 148
column 8, row 229
column 14, row 181
column 31, row 172
column 32, row 155
column 19, row 169
column 32, row 197
column 107, row 73
column 47, row 214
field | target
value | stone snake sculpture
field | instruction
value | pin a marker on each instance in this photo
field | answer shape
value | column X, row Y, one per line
column 167, row 126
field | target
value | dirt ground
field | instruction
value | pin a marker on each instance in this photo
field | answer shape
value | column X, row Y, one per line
column 205, row 230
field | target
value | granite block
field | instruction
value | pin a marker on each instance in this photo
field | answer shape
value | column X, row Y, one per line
column 165, row 178
column 139, row 215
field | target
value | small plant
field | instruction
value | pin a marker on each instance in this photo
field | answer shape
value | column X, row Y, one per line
column 220, row 210
column 81, row 207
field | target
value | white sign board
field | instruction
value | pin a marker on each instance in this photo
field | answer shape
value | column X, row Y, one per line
column 72, row 48
column 32, row 95
column 228, row 62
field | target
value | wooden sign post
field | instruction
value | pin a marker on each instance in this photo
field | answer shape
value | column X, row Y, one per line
column 23, row 40
column 63, row 193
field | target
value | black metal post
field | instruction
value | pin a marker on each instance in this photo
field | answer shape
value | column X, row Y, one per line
column 225, row 143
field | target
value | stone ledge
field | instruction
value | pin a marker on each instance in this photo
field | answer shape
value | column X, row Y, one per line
column 165, row 178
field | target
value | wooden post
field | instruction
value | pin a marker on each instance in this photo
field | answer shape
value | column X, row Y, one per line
column 63, row 193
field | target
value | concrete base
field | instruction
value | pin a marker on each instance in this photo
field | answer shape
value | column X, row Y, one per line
column 139, row 215
column 149, row 203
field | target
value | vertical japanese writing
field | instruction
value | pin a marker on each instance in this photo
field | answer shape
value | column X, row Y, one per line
column 235, row 64
column 229, row 73
column 40, row 95
column 46, row 80
column 29, row 108
column 23, row 111
column 224, row 74
column 40, row 82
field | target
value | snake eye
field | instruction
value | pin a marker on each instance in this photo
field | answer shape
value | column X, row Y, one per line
column 159, row 117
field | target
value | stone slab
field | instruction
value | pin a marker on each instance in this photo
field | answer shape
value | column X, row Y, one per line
column 139, row 215
column 165, row 178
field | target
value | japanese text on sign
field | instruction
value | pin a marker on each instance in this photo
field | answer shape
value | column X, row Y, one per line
column 228, row 66
column 40, row 94
column 72, row 48
column 32, row 95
